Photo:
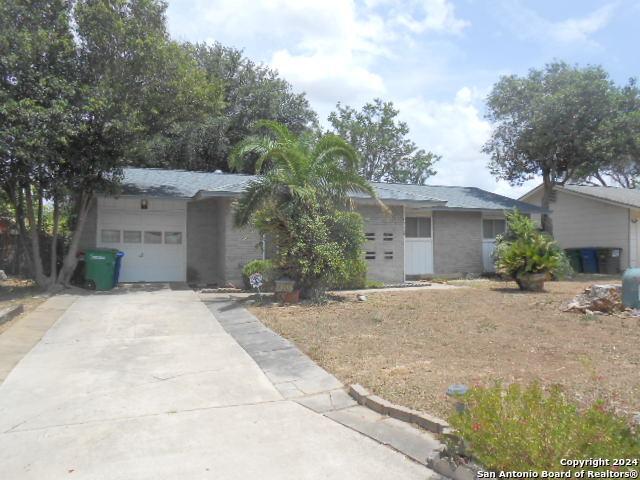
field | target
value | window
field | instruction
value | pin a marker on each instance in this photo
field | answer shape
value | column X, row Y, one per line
column 110, row 236
column 173, row 238
column 369, row 255
column 387, row 237
column 417, row 227
column 492, row 227
column 370, row 236
column 132, row 236
column 153, row 237
column 388, row 255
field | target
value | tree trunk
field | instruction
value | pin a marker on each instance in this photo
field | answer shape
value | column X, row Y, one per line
column 547, row 192
column 36, row 259
column 54, row 239
column 70, row 259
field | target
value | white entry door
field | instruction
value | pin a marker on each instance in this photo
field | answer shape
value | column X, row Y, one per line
column 418, row 246
column 153, row 239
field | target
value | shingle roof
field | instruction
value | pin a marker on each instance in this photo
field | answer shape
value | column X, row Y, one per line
column 181, row 183
column 625, row 196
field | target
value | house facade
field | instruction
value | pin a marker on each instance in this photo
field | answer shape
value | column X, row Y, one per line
column 594, row 217
column 177, row 226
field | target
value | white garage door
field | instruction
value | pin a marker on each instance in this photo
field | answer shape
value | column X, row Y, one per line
column 153, row 239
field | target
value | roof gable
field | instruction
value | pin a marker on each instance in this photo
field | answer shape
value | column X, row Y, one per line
column 626, row 197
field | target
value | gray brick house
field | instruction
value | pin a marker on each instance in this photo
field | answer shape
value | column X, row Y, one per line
column 175, row 225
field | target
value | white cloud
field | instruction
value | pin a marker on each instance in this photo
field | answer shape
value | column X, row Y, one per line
column 528, row 24
column 329, row 49
column 432, row 16
column 454, row 129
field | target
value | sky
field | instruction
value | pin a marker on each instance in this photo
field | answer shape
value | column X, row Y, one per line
column 435, row 59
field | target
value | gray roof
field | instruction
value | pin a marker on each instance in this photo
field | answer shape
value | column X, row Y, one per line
column 181, row 183
column 625, row 196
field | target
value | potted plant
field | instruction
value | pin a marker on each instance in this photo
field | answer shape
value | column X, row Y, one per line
column 527, row 255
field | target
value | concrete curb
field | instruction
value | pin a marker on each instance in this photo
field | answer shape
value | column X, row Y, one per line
column 383, row 407
column 10, row 313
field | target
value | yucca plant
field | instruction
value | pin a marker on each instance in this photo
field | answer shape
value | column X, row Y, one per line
column 524, row 251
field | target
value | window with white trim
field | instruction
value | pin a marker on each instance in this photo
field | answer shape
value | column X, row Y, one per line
column 417, row 227
column 132, row 236
column 152, row 237
column 387, row 237
column 173, row 238
column 370, row 236
column 369, row 255
column 110, row 236
column 491, row 227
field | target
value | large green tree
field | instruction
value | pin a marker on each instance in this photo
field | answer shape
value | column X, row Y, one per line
column 299, row 201
column 618, row 147
column 252, row 92
column 381, row 141
column 555, row 123
column 85, row 85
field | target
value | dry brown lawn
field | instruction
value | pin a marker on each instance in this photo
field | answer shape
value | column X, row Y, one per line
column 408, row 347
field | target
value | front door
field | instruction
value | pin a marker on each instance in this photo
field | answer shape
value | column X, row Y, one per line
column 418, row 246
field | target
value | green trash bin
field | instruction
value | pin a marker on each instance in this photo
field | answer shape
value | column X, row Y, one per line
column 100, row 265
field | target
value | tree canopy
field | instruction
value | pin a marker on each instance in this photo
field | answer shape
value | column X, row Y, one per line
column 252, row 92
column 381, row 141
column 84, row 85
column 560, row 123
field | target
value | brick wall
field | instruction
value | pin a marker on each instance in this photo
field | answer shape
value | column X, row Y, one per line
column 205, row 244
column 241, row 246
column 457, row 242
column 378, row 223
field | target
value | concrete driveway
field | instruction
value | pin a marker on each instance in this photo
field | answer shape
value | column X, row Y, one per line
column 147, row 385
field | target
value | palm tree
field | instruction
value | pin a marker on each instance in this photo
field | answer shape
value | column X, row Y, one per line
column 303, row 169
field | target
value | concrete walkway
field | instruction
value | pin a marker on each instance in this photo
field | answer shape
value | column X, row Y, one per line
column 148, row 385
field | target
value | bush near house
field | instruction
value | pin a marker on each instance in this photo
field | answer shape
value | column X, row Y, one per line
column 526, row 428
column 525, row 250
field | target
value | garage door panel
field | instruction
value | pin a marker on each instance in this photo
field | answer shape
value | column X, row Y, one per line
column 144, row 261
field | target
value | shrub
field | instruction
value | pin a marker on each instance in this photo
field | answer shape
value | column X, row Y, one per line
column 518, row 428
column 264, row 267
column 524, row 249
column 353, row 277
column 317, row 247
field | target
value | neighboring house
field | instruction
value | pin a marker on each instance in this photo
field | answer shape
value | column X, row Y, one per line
column 176, row 225
column 592, row 216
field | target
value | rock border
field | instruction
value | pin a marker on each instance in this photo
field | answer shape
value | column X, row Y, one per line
column 10, row 313
column 404, row 414
column 440, row 464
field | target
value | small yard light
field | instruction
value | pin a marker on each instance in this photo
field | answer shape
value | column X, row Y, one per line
column 456, row 391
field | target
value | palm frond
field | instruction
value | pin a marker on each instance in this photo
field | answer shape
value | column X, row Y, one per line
column 281, row 132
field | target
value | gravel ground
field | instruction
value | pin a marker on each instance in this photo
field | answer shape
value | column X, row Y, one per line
column 409, row 346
